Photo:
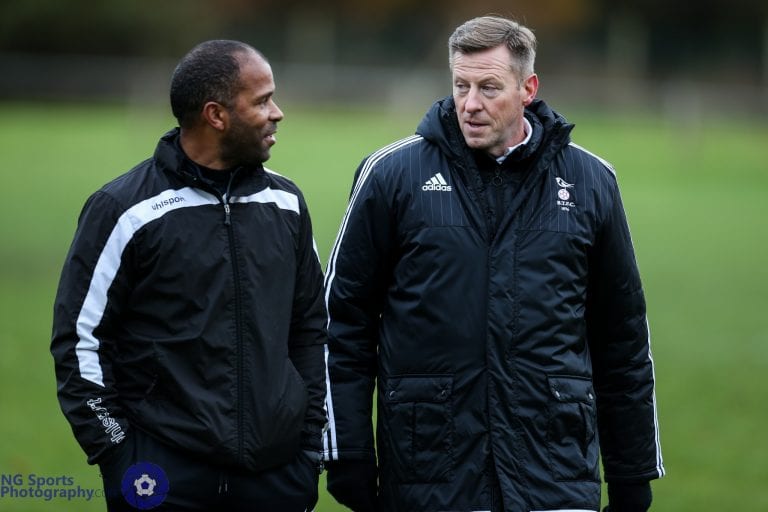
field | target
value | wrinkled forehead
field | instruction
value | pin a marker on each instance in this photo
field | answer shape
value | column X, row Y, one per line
column 495, row 61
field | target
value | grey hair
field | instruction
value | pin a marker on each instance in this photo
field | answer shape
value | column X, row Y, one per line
column 488, row 32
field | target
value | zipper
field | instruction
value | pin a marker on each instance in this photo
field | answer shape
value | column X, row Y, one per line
column 227, row 211
column 498, row 202
column 238, row 318
column 238, row 336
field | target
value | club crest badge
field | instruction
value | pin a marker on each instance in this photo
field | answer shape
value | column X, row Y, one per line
column 564, row 201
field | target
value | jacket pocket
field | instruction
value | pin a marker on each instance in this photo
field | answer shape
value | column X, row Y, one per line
column 419, row 424
column 571, row 431
column 289, row 411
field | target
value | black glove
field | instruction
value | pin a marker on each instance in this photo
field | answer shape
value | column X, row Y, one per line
column 353, row 483
column 628, row 497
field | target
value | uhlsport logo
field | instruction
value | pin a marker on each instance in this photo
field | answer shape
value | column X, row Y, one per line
column 111, row 426
column 436, row 182
column 168, row 202
column 144, row 485
column 563, row 195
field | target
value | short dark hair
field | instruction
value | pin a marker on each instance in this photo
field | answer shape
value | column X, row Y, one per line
column 488, row 32
column 209, row 72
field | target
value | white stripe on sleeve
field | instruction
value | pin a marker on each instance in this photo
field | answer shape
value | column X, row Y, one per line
column 108, row 264
column 330, row 447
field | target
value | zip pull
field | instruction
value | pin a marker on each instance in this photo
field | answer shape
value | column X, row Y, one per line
column 497, row 180
column 226, row 214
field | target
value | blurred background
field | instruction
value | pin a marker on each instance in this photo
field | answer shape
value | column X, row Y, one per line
column 674, row 94
column 669, row 56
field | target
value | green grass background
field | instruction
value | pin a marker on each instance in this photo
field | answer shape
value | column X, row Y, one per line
column 696, row 200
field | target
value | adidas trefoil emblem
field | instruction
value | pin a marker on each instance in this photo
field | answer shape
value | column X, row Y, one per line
column 436, row 182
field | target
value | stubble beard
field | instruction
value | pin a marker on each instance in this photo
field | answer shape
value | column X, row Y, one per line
column 242, row 146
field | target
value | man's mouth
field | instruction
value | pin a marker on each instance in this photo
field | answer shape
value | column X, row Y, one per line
column 474, row 125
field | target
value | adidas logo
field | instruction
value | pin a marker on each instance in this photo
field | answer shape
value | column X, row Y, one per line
column 436, row 182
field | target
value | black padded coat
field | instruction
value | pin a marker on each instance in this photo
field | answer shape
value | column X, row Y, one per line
column 507, row 348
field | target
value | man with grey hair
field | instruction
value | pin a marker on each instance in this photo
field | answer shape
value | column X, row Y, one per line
column 189, row 323
column 484, row 283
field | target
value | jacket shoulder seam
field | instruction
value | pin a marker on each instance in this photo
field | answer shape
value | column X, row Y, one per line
column 605, row 163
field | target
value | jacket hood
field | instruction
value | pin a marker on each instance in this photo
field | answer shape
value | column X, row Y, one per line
column 440, row 126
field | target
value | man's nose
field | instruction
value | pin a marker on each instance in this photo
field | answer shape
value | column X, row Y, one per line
column 276, row 114
column 474, row 102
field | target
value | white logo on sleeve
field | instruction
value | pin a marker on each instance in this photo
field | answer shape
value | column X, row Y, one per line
column 436, row 182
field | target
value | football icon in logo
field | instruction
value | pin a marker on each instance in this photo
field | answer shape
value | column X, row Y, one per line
column 144, row 485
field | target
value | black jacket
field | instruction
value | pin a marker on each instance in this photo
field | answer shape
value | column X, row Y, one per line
column 193, row 316
column 507, row 330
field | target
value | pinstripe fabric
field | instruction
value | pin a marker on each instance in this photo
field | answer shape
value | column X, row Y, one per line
column 552, row 333
column 330, row 447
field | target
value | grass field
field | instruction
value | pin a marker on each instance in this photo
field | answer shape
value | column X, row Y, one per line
column 695, row 196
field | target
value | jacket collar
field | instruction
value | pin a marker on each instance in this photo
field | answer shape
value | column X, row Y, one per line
column 172, row 159
column 441, row 127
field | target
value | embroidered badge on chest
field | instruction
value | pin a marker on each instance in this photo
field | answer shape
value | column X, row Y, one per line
column 564, row 201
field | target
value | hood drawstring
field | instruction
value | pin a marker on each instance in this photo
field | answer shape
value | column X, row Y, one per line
column 223, row 483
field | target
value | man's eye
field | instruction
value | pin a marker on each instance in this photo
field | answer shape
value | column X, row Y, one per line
column 489, row 90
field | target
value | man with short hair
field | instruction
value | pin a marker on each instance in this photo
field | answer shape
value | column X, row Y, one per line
column 484, row 282
column 189, row 323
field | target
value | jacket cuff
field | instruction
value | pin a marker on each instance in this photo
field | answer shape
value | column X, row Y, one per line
column 629, row 497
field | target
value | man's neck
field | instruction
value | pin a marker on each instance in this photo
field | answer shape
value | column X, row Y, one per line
column 201, row 150
column 527, row 132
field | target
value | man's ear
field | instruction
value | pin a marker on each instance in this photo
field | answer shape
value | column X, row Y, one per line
column 215, row 115
column 531, row 87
